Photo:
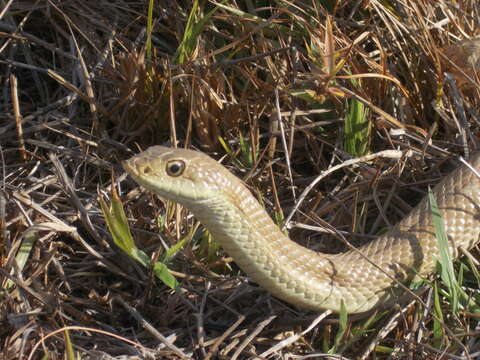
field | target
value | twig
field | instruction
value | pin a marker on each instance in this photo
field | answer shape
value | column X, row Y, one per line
column 295, row 337
column 18, row 116
column 252, row 335
column 147, row 326
column 393, row 154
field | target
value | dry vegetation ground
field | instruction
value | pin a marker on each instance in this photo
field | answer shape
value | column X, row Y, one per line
column 87, row 83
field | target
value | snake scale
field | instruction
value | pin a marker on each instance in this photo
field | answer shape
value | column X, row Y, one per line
column 311, row 280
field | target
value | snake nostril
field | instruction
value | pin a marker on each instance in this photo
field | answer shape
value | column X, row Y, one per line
column 147, row 170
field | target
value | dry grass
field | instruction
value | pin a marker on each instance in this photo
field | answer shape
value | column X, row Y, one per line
column 83, row 88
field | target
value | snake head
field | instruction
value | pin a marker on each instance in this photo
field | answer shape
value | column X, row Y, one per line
column 184, row 176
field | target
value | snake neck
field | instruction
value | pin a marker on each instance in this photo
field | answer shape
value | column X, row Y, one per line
column 289, row 271
column 360, row 279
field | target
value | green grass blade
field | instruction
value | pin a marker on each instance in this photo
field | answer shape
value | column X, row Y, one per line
column 174, row 249
column 314, row 99
column 162, row 272
column 447, row 273
column 148, row 46
column 256, row 19
column 193, row 29
column 438, row 318
column 342, row 327
column 70, row 355
column 23, row 253
column 226, row 147
column 246, row 151
column 360, row 330
column 118, row 225
column 25, row 249
column 230, row 152
column 123, row 239
column 357, row 129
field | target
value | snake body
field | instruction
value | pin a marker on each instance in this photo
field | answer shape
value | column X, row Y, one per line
column 311, row 280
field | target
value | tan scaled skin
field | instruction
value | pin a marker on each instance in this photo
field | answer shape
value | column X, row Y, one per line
column 300, row 276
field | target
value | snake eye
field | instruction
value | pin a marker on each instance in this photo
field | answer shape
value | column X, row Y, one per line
column 175, row 167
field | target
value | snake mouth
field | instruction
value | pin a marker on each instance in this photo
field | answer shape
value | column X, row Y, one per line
column 140, row 172
column 136, row 171
column 139, row 166
column 130, row 168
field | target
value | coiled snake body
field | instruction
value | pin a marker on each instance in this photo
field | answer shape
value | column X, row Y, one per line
column 291, row 272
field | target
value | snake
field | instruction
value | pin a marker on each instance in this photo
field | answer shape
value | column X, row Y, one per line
column 357, row 280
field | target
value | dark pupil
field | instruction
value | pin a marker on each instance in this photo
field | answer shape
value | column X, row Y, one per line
column 175, row 167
